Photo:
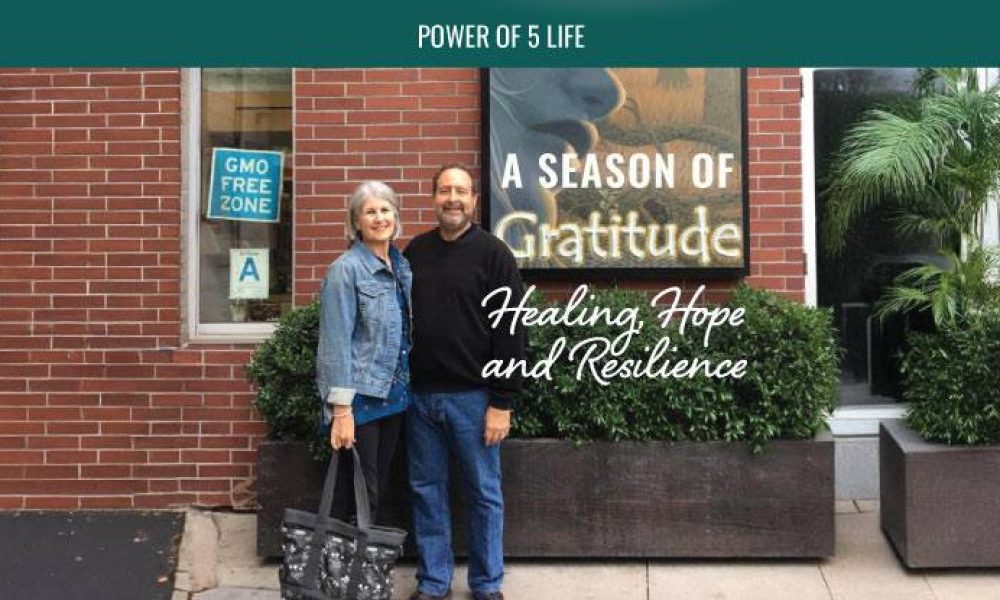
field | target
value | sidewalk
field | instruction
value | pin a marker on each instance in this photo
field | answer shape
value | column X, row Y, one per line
column 217, row 562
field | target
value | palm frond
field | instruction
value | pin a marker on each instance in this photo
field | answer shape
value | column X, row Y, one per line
column 948, row 148
column 957, row 295
column 884, row 156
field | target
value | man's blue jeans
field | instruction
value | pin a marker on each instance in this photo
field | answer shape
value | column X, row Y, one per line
column 439, row 426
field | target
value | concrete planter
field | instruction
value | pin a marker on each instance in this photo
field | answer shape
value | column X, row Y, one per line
column 631, row 499
column 940, row 504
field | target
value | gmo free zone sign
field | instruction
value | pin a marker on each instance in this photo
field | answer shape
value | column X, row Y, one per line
column 245, row 185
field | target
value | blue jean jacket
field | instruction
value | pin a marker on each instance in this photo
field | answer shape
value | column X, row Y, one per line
column 361, row 330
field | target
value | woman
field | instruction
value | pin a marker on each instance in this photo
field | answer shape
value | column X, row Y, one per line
column 362, row 362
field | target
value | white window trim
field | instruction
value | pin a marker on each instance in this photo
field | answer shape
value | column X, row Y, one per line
column 853, row 420
column 196, row 331
column 808, row 158
column 845, row 420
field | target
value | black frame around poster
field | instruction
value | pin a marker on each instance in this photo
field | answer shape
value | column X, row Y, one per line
column 625, row 273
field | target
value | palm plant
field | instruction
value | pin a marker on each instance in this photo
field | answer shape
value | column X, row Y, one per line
column 935, row 161
column 956, row 296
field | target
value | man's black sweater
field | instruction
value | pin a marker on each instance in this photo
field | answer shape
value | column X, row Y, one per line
column 452, row 337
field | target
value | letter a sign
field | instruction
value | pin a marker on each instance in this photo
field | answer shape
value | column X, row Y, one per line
column 248, row 273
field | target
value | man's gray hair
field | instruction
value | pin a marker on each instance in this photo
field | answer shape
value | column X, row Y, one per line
column 371, row 189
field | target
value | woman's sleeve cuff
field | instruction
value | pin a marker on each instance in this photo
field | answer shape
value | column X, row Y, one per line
column 340, row 396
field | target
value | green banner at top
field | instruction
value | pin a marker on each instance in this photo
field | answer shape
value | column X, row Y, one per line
column 511, row 33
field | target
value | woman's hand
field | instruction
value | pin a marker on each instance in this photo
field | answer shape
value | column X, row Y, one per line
column 342, row 430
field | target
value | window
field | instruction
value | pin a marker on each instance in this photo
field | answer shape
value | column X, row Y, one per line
column 239, row 209
column 832, row 99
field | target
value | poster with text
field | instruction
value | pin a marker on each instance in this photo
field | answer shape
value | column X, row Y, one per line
column 604, row 170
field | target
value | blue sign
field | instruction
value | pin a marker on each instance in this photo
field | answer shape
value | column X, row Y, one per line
column 245, row 185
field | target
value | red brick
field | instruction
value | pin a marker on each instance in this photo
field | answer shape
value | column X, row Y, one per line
column 11, row 502
column 391, row 74
column 324, row 90
column 106, row 441
column 94, row 502
column 71, row 428
column 163, row 500
column 199, row 485
column 161, row 485
column 110, row 79
column 437, row 74
column 123, row 456
column 70, row 457
column 54, row 441
column 234, row 471
column 328, row 75
column 105, row 471
column 165, row 471
column 162, row 78
column 372, row 89
column 51, row 502
column 22, row 457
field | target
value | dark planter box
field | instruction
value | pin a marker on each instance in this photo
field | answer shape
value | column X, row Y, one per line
column 630, row 499
column 940, row 504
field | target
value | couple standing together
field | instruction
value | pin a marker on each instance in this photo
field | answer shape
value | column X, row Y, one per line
column 378, row 304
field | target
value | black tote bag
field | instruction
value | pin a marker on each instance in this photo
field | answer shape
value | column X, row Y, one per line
column 327, row 559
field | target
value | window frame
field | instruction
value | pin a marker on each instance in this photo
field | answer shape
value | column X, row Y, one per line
column 861, row 420
column 195, row 331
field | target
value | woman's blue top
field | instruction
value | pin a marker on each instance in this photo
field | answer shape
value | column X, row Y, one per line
column 369, row 408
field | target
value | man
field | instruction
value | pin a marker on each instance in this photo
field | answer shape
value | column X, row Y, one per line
column 456, row 413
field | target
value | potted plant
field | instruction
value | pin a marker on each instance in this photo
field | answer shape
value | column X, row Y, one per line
column 937, row 161
column 638, row 467
column 680, row 467
column 283, row 371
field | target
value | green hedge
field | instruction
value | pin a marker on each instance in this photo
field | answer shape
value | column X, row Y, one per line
column 951, row 378
column 788, row 390
column 283, row 370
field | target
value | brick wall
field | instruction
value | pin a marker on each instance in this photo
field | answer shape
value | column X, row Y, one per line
column 775, row 145
column 102, row 404
column 394, row 125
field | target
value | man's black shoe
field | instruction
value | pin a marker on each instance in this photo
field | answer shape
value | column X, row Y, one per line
column 488, row 596
column 418, row 595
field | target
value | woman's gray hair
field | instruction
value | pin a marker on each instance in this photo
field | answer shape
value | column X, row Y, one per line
column 370, row 189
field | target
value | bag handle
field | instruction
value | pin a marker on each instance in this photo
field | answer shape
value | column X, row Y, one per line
column 311, row 572
column 360, row 491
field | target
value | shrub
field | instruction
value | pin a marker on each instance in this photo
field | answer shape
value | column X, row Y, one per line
column 793, row 367
column 951, row 380
column 283, row 370
column 582, row 409
column 787, row 392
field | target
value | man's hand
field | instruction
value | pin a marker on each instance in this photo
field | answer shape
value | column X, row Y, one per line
column 497, row 425
column 342, row 431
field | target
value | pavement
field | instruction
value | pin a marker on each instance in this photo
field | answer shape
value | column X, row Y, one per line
column 82, row 555
column 217, row 562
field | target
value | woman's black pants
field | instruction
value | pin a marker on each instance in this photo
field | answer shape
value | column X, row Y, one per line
column 376, row 442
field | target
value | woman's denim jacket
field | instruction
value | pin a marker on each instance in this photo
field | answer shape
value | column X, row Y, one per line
column 360, row 327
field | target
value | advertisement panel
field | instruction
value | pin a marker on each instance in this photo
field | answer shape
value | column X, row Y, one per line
column 600, row 171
